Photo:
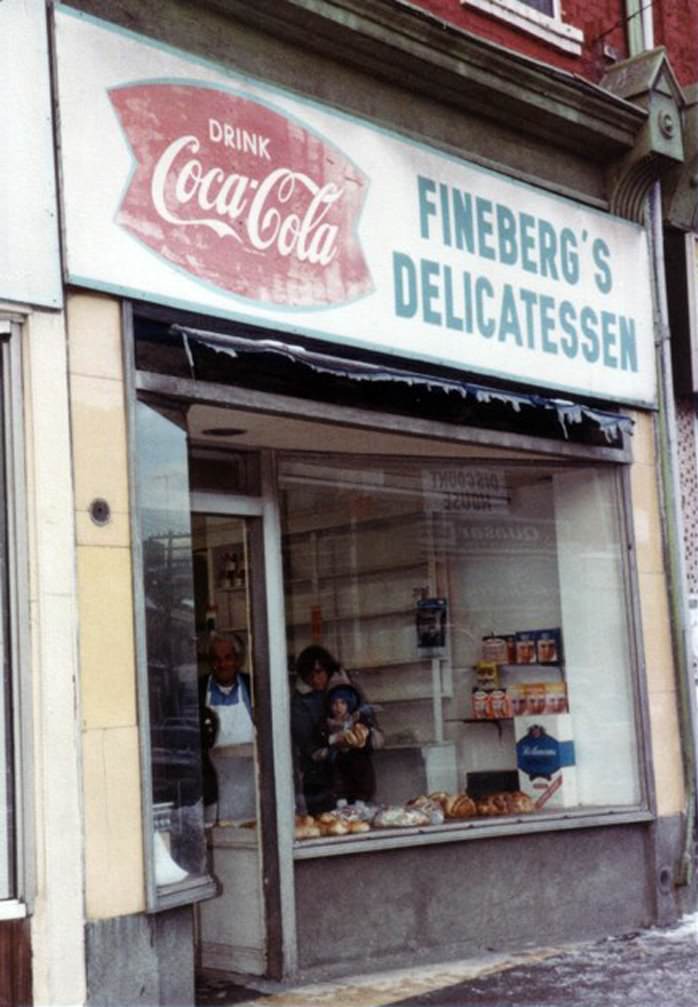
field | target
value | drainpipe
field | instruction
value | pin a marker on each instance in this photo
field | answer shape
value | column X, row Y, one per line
column 639, row 19
column 672, row 519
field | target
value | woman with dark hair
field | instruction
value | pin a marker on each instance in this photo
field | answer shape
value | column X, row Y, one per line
column 314, row 785
column 330, row 762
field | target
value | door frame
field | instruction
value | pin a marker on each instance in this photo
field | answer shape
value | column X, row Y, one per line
column 272, row 708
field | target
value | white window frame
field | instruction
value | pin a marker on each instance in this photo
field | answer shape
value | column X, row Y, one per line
column 11, row 402
column 552, row 30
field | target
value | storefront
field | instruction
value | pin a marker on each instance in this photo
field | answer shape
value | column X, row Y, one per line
column 366, row 394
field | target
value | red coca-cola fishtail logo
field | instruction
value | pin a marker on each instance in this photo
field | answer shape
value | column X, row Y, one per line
column 241, row 197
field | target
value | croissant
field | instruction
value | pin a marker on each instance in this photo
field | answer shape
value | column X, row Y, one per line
column 458, row 806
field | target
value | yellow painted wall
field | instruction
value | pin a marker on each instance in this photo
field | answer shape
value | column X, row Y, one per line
column 111, row 774
column 661, row 676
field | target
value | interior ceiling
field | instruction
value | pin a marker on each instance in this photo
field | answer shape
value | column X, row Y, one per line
column 262, row 430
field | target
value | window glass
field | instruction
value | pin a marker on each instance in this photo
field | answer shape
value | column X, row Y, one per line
column 7, row 823
column 175, row 739
column 544, row 6
column 7, row 830
column 477, row 614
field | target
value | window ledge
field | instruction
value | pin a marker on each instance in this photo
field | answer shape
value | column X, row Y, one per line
column 11, row 909
column 551, row 30
column 452, row 832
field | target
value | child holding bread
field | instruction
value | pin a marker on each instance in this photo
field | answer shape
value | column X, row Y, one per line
column 347, row 743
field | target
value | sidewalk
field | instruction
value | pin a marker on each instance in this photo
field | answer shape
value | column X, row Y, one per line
column 371, row 990
column 648, row 968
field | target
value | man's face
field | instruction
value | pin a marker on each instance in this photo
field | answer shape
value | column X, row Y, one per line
column 225, row 662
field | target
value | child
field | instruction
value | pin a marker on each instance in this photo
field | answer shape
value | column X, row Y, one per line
column 349, row 736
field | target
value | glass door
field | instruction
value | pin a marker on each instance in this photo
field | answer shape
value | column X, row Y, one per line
column 232, row 929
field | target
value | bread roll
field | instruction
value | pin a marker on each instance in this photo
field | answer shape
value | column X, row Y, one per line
column 464, row 807
column 334, row 828
column 356, row 736
column 307, row 832
column 439, row 797
column 521, row 803
column 459, row 806
column 359, row 827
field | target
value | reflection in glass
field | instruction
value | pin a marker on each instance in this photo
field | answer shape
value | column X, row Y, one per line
column 7, row 826
column 163, row 499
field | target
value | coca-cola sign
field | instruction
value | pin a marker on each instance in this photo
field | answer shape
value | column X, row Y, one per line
column 241, row 196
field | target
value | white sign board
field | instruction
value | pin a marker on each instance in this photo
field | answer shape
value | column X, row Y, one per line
column 30, row 267
column 190, row 186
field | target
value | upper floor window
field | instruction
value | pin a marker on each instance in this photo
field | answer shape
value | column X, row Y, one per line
column 542, row 18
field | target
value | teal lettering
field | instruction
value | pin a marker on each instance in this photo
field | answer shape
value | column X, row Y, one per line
column 608, row 336
column 547, row 239
column 600, row 253
column 426, row 187
column 569, row 257
column 445, row 214
column 547, row 323
column 483, row 212
column 467, row 302
column 530, row 299
column 588, row 322
column 569, row 343
column 508, row 317
column 506, row 231
column 527, row 224
column 430, row 291
column 463, row 220
column 452, row 320
column 486, row 326
column 405, row 284
column 628, row 345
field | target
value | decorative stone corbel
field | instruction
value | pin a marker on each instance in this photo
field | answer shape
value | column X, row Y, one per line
column 680, row 188
column 646, row 80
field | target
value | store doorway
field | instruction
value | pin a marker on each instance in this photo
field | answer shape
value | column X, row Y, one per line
column 231, row 654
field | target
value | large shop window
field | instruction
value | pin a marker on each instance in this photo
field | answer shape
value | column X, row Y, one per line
column 478, row 616
column 7, row 801
column 14, row 734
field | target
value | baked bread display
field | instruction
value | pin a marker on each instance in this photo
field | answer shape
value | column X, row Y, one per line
column 399, row 817
column 459, row 806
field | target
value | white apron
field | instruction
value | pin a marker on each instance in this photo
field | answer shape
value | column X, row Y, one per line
column 235, row 770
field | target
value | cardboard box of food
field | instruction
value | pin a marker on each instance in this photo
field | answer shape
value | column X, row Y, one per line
column 545, row 759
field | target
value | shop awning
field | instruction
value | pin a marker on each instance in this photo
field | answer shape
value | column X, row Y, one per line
column 612, row 425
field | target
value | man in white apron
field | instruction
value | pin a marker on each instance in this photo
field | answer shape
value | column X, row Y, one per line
column 228, row 735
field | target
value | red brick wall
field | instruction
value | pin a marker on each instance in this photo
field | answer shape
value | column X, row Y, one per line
column 676, row 27
column 600, row 20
